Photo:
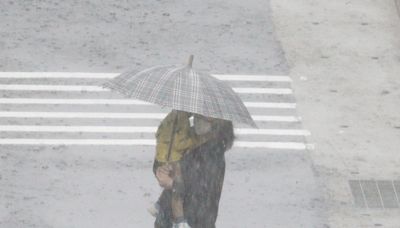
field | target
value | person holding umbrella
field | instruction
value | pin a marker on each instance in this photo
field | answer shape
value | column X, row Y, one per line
column 175, row 137
column 215, row 103
column 202, row 172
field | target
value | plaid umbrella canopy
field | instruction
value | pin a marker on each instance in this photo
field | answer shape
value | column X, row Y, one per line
column 182, row 88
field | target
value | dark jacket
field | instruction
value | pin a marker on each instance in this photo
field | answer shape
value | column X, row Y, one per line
column 203, row 172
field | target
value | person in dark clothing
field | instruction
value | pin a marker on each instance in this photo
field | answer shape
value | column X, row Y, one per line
column 175, row 137
column 203, row 171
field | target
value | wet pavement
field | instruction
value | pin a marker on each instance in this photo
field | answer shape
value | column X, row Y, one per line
column 103, row 186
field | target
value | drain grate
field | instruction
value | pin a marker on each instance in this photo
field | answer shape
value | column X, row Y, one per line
column 376, row 193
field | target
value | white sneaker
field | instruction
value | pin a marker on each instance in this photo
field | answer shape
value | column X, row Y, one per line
column 154, row 209
column 181, row 225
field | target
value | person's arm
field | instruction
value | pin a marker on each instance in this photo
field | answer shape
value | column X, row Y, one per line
column 163, row 176
column 156, row 164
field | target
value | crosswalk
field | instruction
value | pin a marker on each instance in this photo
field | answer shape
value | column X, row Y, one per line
column 71, row 108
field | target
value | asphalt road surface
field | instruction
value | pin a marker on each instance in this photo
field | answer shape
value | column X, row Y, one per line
column 111, row 36
column 73, row 155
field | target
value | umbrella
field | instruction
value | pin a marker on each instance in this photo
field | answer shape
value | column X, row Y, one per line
column 182, row 88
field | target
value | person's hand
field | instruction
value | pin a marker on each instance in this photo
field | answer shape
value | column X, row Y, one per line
column 163, row 176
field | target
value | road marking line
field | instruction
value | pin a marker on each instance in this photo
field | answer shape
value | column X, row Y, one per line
column 224, row 77
column 98, row 115
column 254, row 78
column 86, row 88
column 93, row 115
column 73, row 101
column 103, row 129
column 36, row 141
column 263, row 90
column 118, row 115
column 121, row 129
column 270, row 105
column 260, row 131
column 69, row 88
column 276, row 118
column 143, row 142
column 57, row 75
column 273, row 145
column 124, row 102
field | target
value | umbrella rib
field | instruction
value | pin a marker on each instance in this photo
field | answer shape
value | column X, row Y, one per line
column 196, row 85
column 161, row 82
column 176, row 92
column 182, row 88
column 145, row 74
column 212, row 84
column 124, row 81
column 221, row 96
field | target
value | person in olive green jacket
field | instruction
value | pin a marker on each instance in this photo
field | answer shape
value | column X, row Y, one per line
column 174, row 138
column 184, row 139
column 203, row 171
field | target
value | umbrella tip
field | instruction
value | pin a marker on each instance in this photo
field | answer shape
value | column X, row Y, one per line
column 190, row 62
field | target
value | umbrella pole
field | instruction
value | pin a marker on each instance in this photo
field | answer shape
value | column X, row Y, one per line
column 190, row 62
column 171, row 141
column 178, row 185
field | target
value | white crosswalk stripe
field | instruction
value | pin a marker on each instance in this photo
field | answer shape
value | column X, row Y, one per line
column 77, row 75
column 121, row 129
column 125, row 102
column 113, row 115
column 75, row 88
column 145, row 142
column 52, row 123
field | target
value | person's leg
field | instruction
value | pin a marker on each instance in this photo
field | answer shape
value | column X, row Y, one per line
column 177, row 194
column 164, row 217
